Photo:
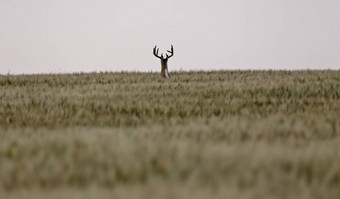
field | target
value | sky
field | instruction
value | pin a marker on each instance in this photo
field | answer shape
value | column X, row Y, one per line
column 64, row 36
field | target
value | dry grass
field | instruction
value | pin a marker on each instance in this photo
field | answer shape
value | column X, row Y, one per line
column 226, row 134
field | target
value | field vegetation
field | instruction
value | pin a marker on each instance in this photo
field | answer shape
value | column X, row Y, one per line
column 218, row 134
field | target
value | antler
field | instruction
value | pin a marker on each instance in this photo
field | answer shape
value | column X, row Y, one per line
column 155, row 52
column 170, row 51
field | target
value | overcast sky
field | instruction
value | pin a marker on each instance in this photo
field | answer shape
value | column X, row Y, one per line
column 52, row 36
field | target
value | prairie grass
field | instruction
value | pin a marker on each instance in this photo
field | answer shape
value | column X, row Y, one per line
column 219, row 134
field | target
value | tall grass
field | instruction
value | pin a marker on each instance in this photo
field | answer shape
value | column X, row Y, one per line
column 219, row 134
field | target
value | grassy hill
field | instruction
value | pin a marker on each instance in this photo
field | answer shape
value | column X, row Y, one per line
column 220, row 134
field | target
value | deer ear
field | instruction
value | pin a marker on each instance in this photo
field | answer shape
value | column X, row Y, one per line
column 162, row 56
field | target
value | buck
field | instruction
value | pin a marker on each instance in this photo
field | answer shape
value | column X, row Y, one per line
column 164, row 60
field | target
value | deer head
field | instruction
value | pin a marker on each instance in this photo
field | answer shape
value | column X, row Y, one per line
column 164, row 60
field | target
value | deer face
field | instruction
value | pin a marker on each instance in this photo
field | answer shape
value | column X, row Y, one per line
column 164, row 61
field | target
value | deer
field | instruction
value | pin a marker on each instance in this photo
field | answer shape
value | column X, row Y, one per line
column 164, row 60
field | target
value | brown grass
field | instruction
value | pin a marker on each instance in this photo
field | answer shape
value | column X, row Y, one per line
column 223, row 134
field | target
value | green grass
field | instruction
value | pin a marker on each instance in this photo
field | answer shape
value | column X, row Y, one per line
column 221, row 134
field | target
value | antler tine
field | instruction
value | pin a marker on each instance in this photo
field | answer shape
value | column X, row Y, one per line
column 170, row 51
column 155, row 52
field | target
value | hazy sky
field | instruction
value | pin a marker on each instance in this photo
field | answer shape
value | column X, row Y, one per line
column 39, row 36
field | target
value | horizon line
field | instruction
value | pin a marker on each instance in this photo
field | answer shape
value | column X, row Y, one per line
column 172, row 71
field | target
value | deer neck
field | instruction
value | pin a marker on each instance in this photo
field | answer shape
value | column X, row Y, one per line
column 164, row 63
column 166, row 74
column 164, row 71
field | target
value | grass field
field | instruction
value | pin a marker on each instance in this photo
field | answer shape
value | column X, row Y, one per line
column 221, row 134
